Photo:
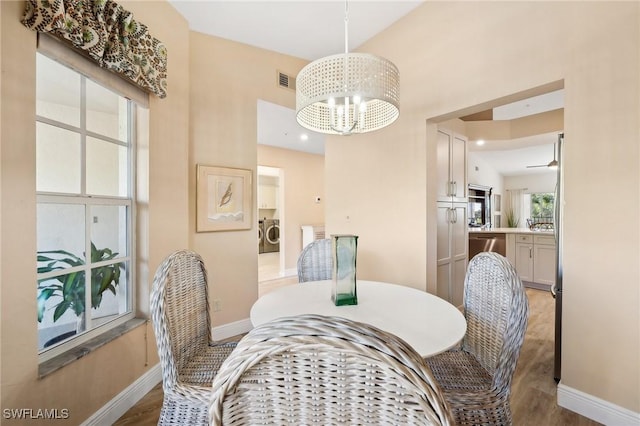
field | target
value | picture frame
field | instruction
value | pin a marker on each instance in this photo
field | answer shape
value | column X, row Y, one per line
column 223, row 199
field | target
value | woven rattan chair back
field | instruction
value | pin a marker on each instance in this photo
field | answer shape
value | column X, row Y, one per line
column 325, row 370
column 188, row 356
column 315, row 262
column 180, row 312
column 496, row 310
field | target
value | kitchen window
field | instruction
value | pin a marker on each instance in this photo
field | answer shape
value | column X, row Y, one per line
column 541, row 207
column 86, row 198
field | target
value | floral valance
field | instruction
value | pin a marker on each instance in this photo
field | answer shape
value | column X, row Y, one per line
column 108, row 34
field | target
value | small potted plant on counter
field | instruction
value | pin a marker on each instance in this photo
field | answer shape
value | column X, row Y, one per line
column 512, row 220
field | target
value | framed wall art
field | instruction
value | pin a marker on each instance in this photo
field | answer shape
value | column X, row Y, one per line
column 223, row 199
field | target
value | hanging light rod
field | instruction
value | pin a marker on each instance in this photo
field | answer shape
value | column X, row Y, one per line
column 554, row 163
column 347, row 93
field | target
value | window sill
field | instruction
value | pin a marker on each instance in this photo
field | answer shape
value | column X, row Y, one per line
column 56, row 363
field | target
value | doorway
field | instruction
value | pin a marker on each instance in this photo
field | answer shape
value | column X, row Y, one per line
column 528, row 150
column 270, row 214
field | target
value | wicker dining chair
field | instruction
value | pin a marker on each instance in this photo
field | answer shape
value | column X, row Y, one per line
column 313, row 369
column 476, row 377
column 315, row 262
column 188, row 356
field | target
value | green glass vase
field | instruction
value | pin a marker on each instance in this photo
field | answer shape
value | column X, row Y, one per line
column 344, row 250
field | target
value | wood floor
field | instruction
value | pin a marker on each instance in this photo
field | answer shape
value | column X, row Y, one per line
column 533, row 398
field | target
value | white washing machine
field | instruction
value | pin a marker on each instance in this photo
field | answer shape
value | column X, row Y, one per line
column 271, row 235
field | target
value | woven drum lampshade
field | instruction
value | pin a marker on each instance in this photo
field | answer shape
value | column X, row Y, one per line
column 348, row 93
column 367, row 84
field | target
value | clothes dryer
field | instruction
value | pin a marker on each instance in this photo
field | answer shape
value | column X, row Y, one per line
column 271, row 235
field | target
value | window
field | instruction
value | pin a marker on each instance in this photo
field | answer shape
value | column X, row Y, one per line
column 542, row 207
column 85, row 170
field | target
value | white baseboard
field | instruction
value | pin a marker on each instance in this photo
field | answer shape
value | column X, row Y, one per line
column 126, row 399
column 595, row 408
column 232, row 329
column 291, row 272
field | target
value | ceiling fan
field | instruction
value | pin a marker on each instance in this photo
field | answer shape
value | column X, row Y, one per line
column 552, row 164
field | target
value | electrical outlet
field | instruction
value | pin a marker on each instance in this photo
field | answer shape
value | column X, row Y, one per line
column 217, row 305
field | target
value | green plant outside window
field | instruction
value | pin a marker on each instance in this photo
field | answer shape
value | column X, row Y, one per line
column 542, row 206
column 71, row 287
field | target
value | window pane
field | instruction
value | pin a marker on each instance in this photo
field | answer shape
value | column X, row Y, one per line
column 107, row 168
column 60, row 239
column 109, row 292
column 109, row 231
column 61, row 227
column 106, row 112
column 542, row 207
column 57, row 91
column 60, row 312
column 57, row 160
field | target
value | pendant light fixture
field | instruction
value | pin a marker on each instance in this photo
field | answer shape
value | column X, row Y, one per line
column 347, row 93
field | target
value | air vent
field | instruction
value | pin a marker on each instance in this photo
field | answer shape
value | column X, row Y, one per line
column 286, row 81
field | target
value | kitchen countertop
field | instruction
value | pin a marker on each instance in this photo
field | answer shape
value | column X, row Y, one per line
column 509, row 231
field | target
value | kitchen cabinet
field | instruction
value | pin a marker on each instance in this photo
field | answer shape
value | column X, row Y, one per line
column 451, row 166
column 452, row 248
column 453, row 237
column 544, row 255
column 267, row 197
column 524, row 257
column 535, row 258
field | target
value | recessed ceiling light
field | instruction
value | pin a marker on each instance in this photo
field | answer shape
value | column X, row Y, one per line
column 480, row 142
column 304, row 137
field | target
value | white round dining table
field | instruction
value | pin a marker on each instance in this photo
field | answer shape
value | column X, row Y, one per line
column 426, row 322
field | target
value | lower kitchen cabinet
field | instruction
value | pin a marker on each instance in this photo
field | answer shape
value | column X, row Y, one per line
column 544, row 255
column 524, row 257
column 535, row 258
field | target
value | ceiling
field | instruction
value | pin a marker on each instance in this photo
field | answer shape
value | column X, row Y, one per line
column 513, row 160
column 511, row 157
column 304, row 29
column 277, row 126
column 313, row 29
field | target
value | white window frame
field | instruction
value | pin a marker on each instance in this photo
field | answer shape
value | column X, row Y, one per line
column 136, row 98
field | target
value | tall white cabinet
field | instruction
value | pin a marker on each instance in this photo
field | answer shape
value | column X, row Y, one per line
column 453, row 237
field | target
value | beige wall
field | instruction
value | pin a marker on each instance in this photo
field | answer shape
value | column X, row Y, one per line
column 90, row 382
column 454, row 56
column 303, row 181
column 227, row 79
